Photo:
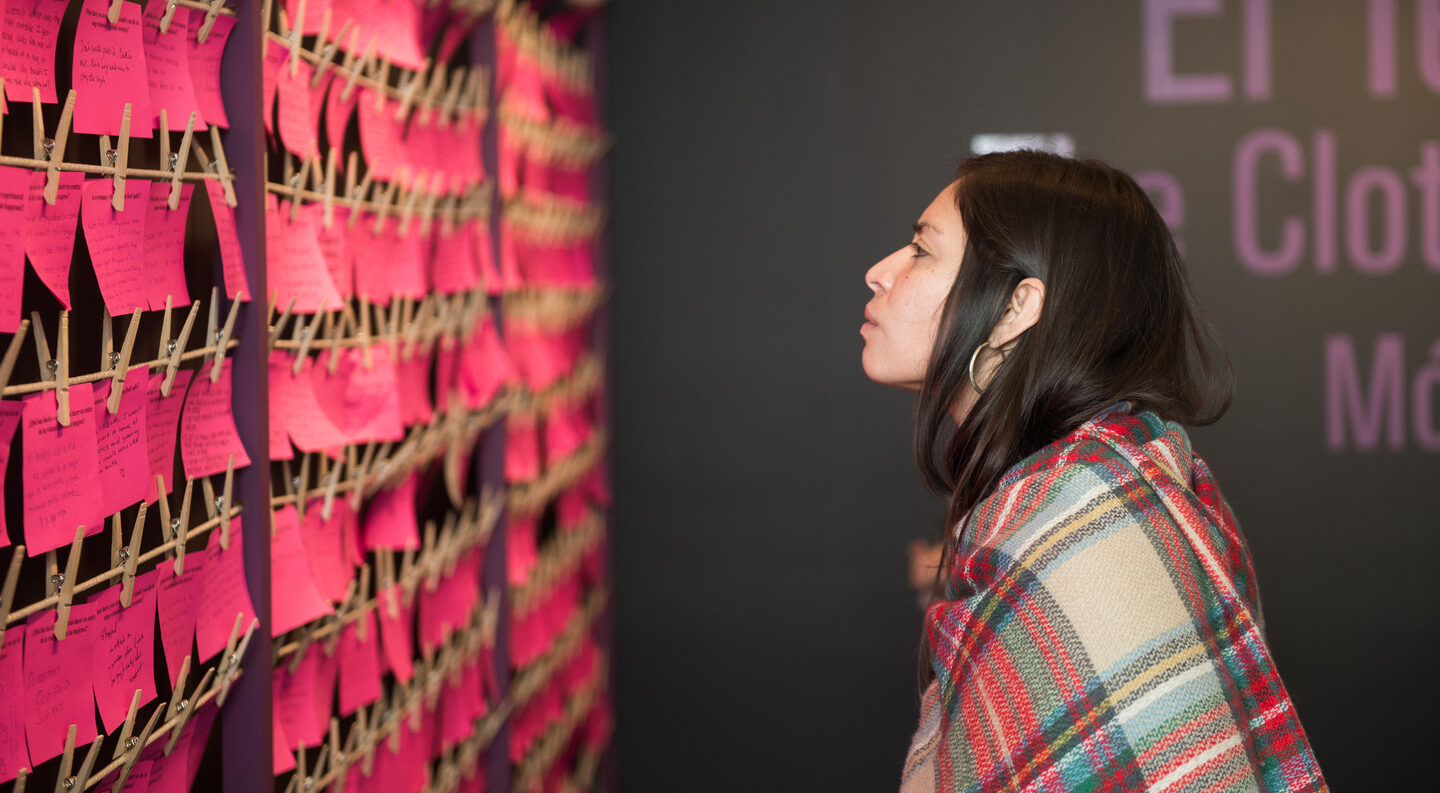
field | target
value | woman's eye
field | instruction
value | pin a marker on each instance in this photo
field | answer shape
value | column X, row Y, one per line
column 916, row 250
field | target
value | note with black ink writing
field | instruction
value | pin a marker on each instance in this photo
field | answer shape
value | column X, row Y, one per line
column 232, row 260
column 203, row 60
column 207, row 427
column 56, row 671
column 108, row 71
column 50, row 230
column 117, row 242
column 162, row 423
column 60, row 470
column 165, row 245
column 13, row 755
column 224, row 595
column 12, row 245
column 120, row 443
column 27, row 53
column 177, row 605
column 294, row 599
column 167, row 70
column 124, row 650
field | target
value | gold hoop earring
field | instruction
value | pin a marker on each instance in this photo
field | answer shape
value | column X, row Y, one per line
column 970, row 370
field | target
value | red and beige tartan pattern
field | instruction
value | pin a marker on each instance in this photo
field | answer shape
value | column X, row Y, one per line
column 1097, row 632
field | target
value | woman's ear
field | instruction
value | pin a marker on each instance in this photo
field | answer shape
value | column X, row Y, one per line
column 1021, row 313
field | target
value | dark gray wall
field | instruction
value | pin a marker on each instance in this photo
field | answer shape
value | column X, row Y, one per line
column 768, row 153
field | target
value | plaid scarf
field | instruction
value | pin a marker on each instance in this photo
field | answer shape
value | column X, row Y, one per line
column 1100, row 632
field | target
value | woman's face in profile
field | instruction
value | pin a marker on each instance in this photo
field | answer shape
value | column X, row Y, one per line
column 910, row 287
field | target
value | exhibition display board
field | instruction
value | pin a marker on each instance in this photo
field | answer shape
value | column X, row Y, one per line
column 303, row 429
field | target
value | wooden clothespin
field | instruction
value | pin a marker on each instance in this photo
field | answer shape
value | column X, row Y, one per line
column 327, row 54
column 134, row 745
column 408, row 91
column 331, row 163
column 221, row 166
column 53, row 370
column 130, row 554
column 64, row 781
column 12, row 354
column 306, row 638
column 179, row 692
column 339, row 759
column 127, row 728
column 385, row 582
column 294, row 36
column 55, row 149
column 277, row 329
column 362, row 741
column 361, row 593
column 122, row 364
column 210, row 14
column 67, row 583
column 164, row 137
column 176, row 348
column 297, row 185
column 234, row 653
column 122, row 161
column 81, row 779
column 382, row 203
column 177, row 527
column 430, row 561
column 176, row 162
column 166, row 17
column 412, row 196
column 301, row 483
column 221, row 505
column 108, row 357
column 452, row 95
column 7, row 593
column 354, row 64
column 357, row 490
column 432, row 199
column 357, row 194
column 382, row 78
column 332, row 483
column 305, row 335
column 185, row 709
column 222, row 340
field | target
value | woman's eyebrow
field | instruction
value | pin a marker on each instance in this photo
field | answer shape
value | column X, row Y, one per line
column 922, row 226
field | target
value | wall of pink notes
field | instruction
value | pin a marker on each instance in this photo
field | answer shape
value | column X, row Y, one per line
column 425, row 603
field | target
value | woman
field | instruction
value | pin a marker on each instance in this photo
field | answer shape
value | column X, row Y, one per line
column 1096, row 623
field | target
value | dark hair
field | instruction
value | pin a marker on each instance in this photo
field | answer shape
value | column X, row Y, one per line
column 1119, row 322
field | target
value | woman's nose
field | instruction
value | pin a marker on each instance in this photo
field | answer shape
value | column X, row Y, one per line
column 881, row 274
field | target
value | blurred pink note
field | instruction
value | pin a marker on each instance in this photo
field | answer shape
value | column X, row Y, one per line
column 13, row 188
column 167, row 70
column 178, row 605
column 314, row 12
column 207, row 426
column 296, row 121
column 60, row 466
column 413, row 380
column 168, row 772
column 328, row 566
column 333, row 242
column 50, row 230
column 453, row 267
column 224, row 593
column 162, row 420
column 294, row 599
column 373, row 256
column 13, row 755
column 294, row 264
column 55, row 674
column 275, row 56
column 281, row 758
column 203, row 60
column 165, row 245
column 359, row 665
column 395, row 632
column 280, row 448
column 295, row 700
column 199, row 729
column 380, row 135
column 124, row 650
column 27, row 61
column 117, row 241
column 364, row 404
column 390, row 523
column 232, row 259
column 10, row 411
column 305, row 421
column 338, row 109
column 108, row 71
column 327, row 669
column 120, row 443
column 408, row 265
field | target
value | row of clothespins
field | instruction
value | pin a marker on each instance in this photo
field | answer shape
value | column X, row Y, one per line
column 558, row 59
column 212, row 9
column 553, row 310
column 546, row 218
column 409, row 327
column 116, row 364
column 408, row 196
column 527, row 498
column 431, row 90
column 439, row 553
column 49, row 155
column 559, row 559
column 125, row 557
column 176, row 713
column 559, row 140
column 407, row 702
column 543, row 753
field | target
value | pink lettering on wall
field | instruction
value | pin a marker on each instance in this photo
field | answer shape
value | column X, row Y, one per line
column 1163, row 85
column 1365, row 407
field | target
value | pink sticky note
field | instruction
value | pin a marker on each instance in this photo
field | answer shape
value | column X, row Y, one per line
column 297, row 131
column 178, row 605
column 224, row 593
column 373, row 256
column 13, row 188
column 322, row 540
column 380, row 135
column 390, row 524
column 50, row 230
column 117, row 241
column 27, row 60
column 294, row 599
column 327, row 669
column 314, row 13
column 124, row 650
column 275, row 56
column 199, row 728
column 108, row 71
column 413, row 378
column 295, row 700
column 453, row 267
column 281, row 758
column 165, row 245
column 305, row 421
column 203, row 60
column 359, row 665
column 55, row 675
column 338, row 108
column 63, row 458
column 162, row 420
column 364, row 404
column 13, row 755
column 294, row 264
column 120, row 443
column 408, row 265
column 10, row 411
column 207, row 426
column 232, row 260
column 167, row 69
column 395, row 633
column 280, row 448
column 167, row 772
column 333, row 241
